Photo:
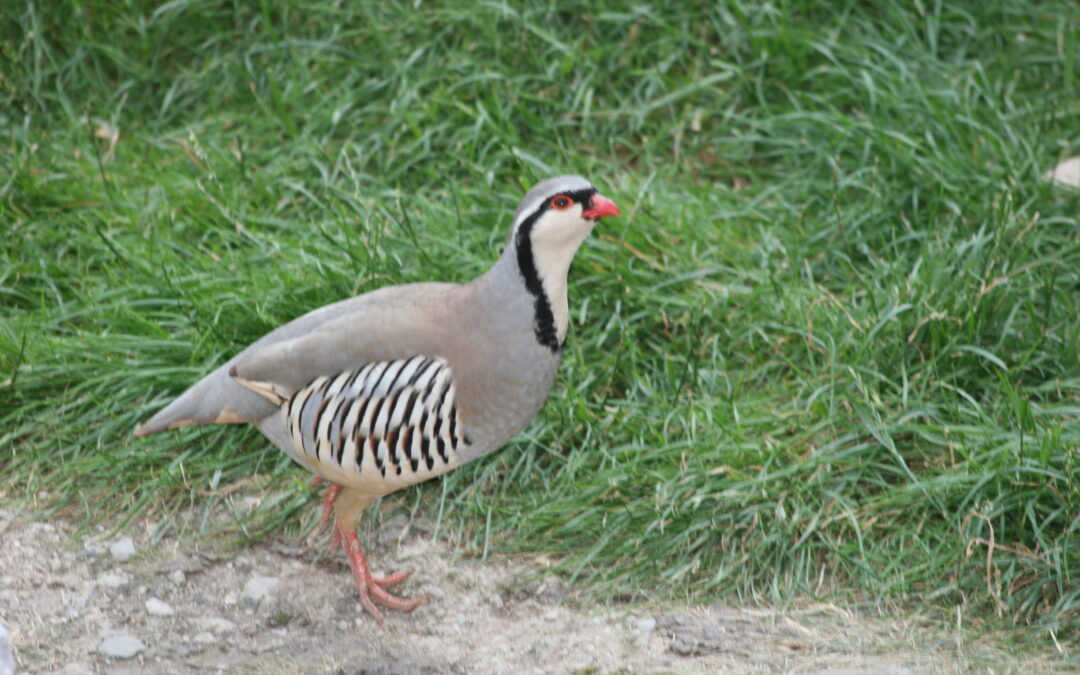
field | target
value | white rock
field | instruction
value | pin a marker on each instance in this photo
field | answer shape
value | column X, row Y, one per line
column 215, row 624
column 646, row 624
column 204, row 638
column 159, row 607
column 256, row 589
column 113, row 579
column 1065, row 173
column 7, row 659
column 122, row 549
column 177, row 577
column 121, row 646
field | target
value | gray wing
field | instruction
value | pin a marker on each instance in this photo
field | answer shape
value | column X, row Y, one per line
column 386, row 324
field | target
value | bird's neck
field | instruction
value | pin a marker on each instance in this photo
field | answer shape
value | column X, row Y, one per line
column 543, row 307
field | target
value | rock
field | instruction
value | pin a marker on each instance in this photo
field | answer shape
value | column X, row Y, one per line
column 256, row 589
column 646, row 624
column 177, row 577
column 204, row 638
column 122, row 549
column 1066, row 173
column 7, row 659
column 551, row 591
column 159, row 607
column 113, row 580
column 215, row 624
column 93, row 549
column 697, row 636
column 121, row 646
column 872, row 670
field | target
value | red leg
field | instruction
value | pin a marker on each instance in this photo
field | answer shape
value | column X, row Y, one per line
column 328, row 503
column 329, row 496
column 370, row 588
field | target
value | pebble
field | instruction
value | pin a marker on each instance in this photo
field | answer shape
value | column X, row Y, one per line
column 7, row 660
column 113, row 579
column 177, row 577
column 93, row 549
column 122, row 549
column 215, row 624
column 646, row 624
column 204, row 638
column 1065, row 173
column 121, row 646
column 159, row 607
column 256, row 589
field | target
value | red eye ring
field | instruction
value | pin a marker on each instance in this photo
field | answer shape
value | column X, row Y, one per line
column 561, row 202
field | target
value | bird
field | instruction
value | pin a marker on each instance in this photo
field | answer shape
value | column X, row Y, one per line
column 398, row 385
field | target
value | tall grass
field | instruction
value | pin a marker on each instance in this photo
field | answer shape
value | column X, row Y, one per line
column 831, row 348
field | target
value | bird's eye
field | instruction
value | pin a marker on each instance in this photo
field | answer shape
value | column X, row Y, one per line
column 561, row 202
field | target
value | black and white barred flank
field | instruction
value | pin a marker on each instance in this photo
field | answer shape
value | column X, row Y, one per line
column 389, row 416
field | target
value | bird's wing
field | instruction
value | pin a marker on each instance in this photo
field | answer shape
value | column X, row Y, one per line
column 384, row 423
column 386, row 324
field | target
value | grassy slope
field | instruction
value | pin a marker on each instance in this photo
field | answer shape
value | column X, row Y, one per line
column 832, row 343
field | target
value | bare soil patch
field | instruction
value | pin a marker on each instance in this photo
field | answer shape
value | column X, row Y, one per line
column 71, row 605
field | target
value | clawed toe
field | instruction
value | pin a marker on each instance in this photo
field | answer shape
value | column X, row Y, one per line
column 372, row 589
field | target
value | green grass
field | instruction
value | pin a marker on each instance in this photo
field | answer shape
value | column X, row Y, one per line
column 831, row 348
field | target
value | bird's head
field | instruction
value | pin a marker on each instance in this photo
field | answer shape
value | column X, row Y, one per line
column 554, row 218
column 551, row 222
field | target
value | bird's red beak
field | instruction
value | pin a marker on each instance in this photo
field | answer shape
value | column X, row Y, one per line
column 600, row 206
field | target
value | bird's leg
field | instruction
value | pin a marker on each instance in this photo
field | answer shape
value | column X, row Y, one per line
column 328, row 503
column 372, row 591
column 329, row 496
column 371, row 588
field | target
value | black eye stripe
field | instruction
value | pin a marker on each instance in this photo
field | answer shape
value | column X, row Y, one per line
column 576, row 197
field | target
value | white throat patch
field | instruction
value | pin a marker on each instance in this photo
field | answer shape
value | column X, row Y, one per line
column 556, row 237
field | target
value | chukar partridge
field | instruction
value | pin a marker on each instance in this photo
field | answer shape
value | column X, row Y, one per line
column 401, row 384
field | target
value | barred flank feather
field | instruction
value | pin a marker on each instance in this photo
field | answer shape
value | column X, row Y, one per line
column 396, row 417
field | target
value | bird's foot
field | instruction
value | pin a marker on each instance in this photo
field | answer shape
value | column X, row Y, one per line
column 372, row 589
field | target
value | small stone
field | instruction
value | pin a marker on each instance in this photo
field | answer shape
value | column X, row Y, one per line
column 93, row 550
column 256, row 589
column 204, row 638
column 159, row 607
column 177, row 577
column 121, row 646
column 113, row 580
column 646, row 624
column 215, row 624
column 1066, row 173
column 122, row 549
column 7, row 659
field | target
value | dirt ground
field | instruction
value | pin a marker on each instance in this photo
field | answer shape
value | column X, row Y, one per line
column 100, row 604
